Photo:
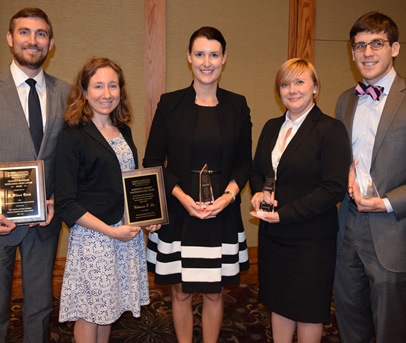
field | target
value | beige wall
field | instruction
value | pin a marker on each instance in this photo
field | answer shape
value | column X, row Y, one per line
column 257, row 37
column 85, row 29
column 333, row 59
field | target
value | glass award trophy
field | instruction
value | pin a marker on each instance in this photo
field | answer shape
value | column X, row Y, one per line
column 268, row 195
column 364, row 180
column 205, row 189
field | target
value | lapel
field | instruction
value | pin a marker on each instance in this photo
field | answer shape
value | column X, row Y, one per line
column 189, row 115
column 10, row 93
column 93, row 132
column 395, row 98
column 52, row 110
column 301, row 134
column 183, row 117
column 271, row 138
column 225, row 127
column 348, row 118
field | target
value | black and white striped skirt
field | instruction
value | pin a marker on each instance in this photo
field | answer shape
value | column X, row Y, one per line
column 202, row 255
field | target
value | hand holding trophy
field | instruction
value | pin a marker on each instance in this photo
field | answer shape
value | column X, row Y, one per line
column 205, row 190
column 268, row 194
column 364, row 180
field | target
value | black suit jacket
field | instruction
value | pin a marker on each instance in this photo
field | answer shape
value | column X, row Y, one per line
column 89, row 178
column 311, row 177
column 171, row 135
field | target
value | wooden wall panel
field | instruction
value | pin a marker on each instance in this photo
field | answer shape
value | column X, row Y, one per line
column 302, row 21
column 155, row 56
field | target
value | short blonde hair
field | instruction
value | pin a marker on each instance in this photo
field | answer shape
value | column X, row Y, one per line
column 292, row 69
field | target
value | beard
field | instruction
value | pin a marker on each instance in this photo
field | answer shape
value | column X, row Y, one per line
column 32, row 62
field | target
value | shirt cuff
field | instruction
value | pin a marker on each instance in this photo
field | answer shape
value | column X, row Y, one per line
column 388, row 206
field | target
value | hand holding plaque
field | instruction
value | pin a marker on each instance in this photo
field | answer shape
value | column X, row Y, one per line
column 145, row 199
column 22, row 192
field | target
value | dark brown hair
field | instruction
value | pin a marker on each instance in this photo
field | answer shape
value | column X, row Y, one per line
column 210, row 33
column 31, row 12
column 375, row 22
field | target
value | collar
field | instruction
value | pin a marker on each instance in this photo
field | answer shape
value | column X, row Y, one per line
column 299, row 120
column 386, row 81
column 20, row 77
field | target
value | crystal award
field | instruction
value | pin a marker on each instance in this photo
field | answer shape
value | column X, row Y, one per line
column 205, row 189
column 364, row 180
column 268, row 195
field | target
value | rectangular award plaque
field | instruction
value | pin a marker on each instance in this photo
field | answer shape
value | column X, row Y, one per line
column 22, row 192
column 144, row 197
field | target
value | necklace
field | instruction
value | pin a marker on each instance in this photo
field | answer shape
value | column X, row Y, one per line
column 199, row 101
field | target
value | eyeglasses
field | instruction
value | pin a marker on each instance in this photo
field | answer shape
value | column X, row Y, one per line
column 376, row 44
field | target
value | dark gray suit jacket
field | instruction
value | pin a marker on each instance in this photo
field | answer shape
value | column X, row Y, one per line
column 16, row 143
column 388, row 171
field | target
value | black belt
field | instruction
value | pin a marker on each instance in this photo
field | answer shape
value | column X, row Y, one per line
column 208, row 171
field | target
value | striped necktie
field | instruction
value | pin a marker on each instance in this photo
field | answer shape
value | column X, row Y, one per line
column 374, row 91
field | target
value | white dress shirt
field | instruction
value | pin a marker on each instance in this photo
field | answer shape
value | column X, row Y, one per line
column 23, row 90
column 281, row 143
column 365, row 125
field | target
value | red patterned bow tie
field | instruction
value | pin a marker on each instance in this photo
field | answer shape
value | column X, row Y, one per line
column 374, row 91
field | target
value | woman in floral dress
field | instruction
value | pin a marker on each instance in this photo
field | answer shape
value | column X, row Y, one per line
column 106, row 272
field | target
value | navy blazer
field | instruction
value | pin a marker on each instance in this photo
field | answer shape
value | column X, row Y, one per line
column 311, row 178
column 170, row 140
column 89, row 177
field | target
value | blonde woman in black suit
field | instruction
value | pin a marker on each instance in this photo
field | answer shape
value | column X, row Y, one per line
column 308, row 152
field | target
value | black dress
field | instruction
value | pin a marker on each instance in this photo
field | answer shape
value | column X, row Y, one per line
column 203, row 255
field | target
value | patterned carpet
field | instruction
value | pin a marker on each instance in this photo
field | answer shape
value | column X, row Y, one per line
column 245, row 320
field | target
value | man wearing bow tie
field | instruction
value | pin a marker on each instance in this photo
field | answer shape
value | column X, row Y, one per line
column 370, row 282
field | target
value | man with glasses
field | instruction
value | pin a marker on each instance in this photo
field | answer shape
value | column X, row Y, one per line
column 370, row 282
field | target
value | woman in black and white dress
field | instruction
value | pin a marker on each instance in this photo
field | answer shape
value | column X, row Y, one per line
column 204, row 246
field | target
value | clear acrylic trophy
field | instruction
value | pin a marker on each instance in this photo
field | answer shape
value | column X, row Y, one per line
column 364, row 180
column 268, row 195
column 205, row 189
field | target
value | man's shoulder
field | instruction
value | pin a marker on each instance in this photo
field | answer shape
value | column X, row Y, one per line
column 5, row 76
column 399, row 83
column 344, row 95
column 56, row 82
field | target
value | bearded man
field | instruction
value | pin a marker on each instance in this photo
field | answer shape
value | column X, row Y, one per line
column 25, row 137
